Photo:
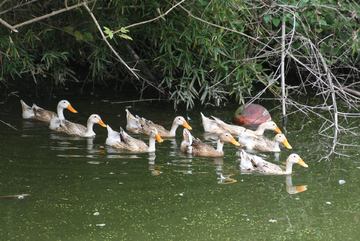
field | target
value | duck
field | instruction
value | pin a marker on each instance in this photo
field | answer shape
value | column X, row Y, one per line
column 218, row 126
column 195, row 146
column 38, row 113
column 261, row 143
column 72, row 128
column 255, row 163
column 122, row 140
column 141, row 125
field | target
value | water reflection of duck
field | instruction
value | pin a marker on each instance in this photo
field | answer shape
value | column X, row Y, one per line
column 225, row 179
column 197, row 147
column 256, row 163
column 38, row 113
column 293, row 189
column 263, row 144
column 218, row 126
column 71, row 128
column 122, row 140
column 141, row 125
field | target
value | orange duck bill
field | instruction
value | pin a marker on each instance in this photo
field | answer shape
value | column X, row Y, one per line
column 158, row 138
column 70, row 108
column 302, row 163
column 277, row 130
column 233, row 141
column 186, row 125
column 101, row 123
column 286, row 143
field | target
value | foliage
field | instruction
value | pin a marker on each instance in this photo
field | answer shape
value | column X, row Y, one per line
column 199, row 50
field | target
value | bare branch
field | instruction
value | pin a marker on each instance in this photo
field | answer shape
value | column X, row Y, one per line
column 107, row 42
column 154, row 19
column 8, row 25
column 50, row 14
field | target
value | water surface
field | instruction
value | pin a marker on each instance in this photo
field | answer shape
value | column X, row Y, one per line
column 80, row 189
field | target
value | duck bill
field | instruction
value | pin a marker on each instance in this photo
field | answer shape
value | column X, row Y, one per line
column 233, row 141
column 277, row 130
column 158, row 138
column 70, row 108
column 101, row 123
column 302, row 163
column 186, row 125
column 286, row 143
column 301, row 188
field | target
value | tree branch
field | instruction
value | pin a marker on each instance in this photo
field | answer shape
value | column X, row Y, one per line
column 50, row 14
column 107, row 42
column 8, row 25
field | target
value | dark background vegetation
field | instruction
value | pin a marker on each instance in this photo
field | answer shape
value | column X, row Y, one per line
column 183, row 51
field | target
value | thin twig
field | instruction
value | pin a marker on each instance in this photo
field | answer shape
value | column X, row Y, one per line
column 143, row 100
column 107, row 42
column 8, row 124
column 154, row 19
column 50, row 14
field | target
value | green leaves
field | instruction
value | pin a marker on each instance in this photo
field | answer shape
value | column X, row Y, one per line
column 109, row 32
column 276, row 22
column 123, row 35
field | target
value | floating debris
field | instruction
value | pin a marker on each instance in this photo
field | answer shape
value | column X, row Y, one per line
column 272, row 220
column 100, row 224
column 328, row 202
column 19, row 196
column 96, row 214
column 341, row 181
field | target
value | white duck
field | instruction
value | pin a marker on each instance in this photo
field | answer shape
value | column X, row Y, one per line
column 195, row 146
column 141, row 125
column 261, row 143
column 255, row 163
column 218, row 126
column 72, row 128
column 38, row 113
column 122, row 140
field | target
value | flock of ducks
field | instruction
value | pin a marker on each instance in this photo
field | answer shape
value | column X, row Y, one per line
column 247, row 139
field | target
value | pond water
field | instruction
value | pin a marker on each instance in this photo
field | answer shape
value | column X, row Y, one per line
column 80, row 189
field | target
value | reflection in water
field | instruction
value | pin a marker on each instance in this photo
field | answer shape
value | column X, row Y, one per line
column 122, row 156
column 223, row 178
column 226, row 179
column 183, row 163
column 152, row 157
column 94, row 162
column 90, row 143
column 155, row 170
column 174, row 147
column 59, row 136
column 219, row 162
column 293, row 189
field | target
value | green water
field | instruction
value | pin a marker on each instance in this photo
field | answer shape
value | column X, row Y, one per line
column 80, row 189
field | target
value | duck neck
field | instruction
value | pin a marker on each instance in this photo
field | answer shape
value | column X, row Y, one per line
column 259, row 131
column 173, row 129
column 60, row 112
column 276, row 146
column 89, row 127
column 288, row 168
column 219, row 147
column 152, row 141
